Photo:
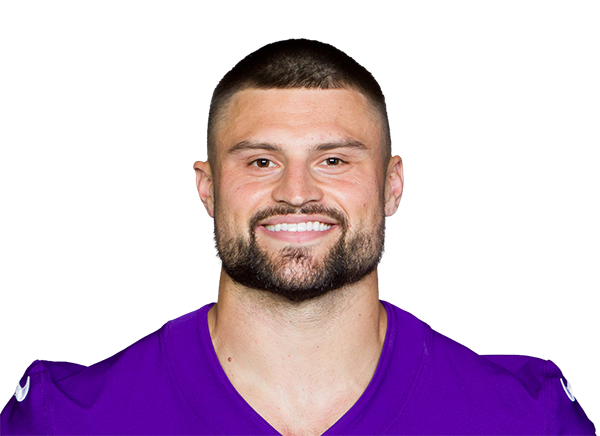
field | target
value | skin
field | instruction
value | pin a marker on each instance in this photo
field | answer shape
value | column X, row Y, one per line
column 301, row 366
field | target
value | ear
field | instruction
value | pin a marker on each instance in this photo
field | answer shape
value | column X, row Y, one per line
column 204, row 183
column 394, row 184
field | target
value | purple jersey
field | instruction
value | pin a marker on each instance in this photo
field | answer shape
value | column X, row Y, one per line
column 171, row 382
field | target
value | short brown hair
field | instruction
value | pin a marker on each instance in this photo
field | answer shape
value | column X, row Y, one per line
column 297, row 63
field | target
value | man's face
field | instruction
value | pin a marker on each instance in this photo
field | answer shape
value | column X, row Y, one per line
column 299, row 190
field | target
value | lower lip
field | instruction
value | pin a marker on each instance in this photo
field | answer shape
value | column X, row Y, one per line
column 297, row 237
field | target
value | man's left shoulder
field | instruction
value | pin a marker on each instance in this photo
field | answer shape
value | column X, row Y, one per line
column 507, row 386
column 464, row 392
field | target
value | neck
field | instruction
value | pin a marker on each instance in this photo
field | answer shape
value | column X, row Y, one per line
column 310, row 360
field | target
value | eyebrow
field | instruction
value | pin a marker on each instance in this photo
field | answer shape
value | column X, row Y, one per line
column 249, row 145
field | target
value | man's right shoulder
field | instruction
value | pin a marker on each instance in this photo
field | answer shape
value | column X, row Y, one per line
column 59, row 397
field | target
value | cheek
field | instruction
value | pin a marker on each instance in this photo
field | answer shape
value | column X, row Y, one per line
column 238, row 198
column 234, row 182
column 360, row 194
column 363, row 203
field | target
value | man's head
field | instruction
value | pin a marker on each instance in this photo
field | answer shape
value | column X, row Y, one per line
column 296, row 64
column 297, row 141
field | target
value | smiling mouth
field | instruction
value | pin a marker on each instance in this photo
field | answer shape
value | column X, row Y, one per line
column 309, row 226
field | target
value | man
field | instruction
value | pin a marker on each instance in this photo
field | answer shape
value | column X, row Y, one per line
column 299, row 180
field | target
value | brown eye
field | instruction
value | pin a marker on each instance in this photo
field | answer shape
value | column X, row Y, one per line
column 333, row 161
column 263, row 163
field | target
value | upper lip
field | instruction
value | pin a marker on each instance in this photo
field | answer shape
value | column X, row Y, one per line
column 295, row 219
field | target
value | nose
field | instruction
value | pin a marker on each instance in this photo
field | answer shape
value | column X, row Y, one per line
column 297, row 186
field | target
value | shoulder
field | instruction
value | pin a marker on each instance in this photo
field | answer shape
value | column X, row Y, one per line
column 519, row 394
column 61, row 397
column 564, row 413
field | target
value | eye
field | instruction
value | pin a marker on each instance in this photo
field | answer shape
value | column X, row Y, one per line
column 263, row 163
column 332, row 161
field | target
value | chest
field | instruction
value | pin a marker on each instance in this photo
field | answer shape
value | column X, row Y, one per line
column 300, row 413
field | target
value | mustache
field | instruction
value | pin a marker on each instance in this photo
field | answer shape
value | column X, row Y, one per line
column 287, row 209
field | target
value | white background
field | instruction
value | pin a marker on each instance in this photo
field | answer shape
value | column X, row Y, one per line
column 558, row 44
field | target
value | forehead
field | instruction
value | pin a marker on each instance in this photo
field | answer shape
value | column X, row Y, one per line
column 301, row 116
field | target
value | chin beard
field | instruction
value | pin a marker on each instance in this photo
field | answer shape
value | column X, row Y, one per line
column 295, row 273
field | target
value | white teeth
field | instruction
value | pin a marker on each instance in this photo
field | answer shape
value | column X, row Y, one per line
column 309, row 226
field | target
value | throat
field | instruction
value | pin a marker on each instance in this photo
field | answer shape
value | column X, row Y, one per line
column 299, row 370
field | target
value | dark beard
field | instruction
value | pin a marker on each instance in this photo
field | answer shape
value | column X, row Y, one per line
column 293, row 273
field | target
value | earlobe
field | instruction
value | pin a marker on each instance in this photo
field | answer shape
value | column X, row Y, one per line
column 204, row 184
column 394, row 184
